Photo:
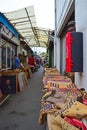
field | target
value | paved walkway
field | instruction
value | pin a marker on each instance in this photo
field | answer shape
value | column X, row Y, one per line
column 21, row 111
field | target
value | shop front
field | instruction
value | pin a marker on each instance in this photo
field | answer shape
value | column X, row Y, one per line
column 11, row 80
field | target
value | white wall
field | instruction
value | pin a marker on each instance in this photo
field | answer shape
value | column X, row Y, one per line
column 61, row 10
column 62, row 55
column 58, row 54
column 62, row 7
column 9, row 35
column 81, row 26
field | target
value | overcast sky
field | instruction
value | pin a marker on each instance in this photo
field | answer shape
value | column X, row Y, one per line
column 44, row 10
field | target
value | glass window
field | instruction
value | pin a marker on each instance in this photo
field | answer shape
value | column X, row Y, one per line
column 8, row 57
column 4, row 57
column 8, row 51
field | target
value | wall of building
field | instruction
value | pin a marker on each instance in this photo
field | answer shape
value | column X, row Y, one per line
column 5, row 32
column 81, row 26
column 57, row 54
column 62, row 8
column 61, row 12
column 9, row 42
column 62, row 55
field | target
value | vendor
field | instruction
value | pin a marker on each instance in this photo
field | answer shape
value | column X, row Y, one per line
column 16, row 63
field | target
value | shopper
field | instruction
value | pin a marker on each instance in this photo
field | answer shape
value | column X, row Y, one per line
column 31, row 62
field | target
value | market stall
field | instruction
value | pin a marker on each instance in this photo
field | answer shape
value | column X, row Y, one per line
column 13, row 81
column 63, row 105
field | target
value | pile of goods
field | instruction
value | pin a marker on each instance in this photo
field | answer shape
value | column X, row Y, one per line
column 62, row 99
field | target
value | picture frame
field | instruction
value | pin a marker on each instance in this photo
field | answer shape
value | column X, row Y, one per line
column 8, row 84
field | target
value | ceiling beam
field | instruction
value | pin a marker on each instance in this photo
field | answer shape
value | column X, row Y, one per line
column 32, row 27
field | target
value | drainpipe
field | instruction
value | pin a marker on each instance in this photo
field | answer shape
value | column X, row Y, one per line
column 55, row 36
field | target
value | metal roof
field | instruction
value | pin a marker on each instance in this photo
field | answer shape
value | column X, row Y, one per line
column 25, row 22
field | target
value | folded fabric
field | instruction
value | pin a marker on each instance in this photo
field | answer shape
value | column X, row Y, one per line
column 84, row 101
column 46, row 94
column 75, row 122
column 77, row 110
column 57, row 99
column 84, row 120
column 62, row 83
column 48, row 107
column 59, row 123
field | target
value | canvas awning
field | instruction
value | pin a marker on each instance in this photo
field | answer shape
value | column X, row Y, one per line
column 25, row 22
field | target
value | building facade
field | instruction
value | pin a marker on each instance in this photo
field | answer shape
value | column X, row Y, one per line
column 65, row 11
column 11, row 43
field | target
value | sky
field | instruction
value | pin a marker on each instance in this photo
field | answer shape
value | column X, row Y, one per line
column 44, row 10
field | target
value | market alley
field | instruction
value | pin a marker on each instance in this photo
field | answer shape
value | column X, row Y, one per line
column 21, row 111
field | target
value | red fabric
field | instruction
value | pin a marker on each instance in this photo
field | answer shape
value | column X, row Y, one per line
column 75, row 122
column 68, row 52
column 31, row 61
column 84, row 101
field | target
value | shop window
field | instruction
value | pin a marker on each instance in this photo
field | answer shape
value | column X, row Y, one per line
column 8, row 57
column 8, row 51
column 3, row 57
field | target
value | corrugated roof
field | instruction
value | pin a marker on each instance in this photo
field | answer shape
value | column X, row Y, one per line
column 24, row 21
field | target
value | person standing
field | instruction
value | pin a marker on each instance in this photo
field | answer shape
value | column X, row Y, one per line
column 31, row 62
column 16, row 62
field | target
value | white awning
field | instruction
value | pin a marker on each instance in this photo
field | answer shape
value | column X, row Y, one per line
column 25, row 22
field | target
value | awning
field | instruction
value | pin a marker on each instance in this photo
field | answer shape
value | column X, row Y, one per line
column 25, row 22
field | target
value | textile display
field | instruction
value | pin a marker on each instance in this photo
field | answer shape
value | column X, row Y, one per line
column 46, row 107
column 59, row 81
column 64, row 101
column 59, row 123
column 76, row 123
column 51, row 70
column 57, row 100
column 46, row 94
column 77, row 110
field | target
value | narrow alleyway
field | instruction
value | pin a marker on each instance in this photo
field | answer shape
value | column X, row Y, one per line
column 21, row 111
